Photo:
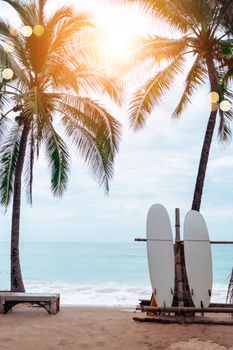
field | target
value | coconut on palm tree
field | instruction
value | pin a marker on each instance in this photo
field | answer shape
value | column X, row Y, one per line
column 204, row 38
column 45, row 79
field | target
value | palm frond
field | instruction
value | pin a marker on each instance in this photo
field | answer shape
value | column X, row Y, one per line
column 68, row 28
column 57, row 34
column 28, row 167
column 91, row 115
column 228, row 77
column 224, row 128
column 94, row 80
column 61, row 14
column 159, row 48
column 42, row 4
column 226, row 117
column 4, row 121
column 12, row 59
column 4, row 29
column 24, row 10
column 84, row 46
column 222, row 15
column 8, row 158
column 95, row 133
column 173, row 13
column 4, row 99
column 95, row 149
column 59, row 76
column 145, row 99
column 59, row 159
column 196, row 76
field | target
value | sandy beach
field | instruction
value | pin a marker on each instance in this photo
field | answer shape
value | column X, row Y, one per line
column 73, row 328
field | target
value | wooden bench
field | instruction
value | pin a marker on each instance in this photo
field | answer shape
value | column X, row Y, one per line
column 50, row 302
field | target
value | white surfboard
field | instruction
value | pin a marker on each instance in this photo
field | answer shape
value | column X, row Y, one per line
column 198, row 259
column 160, row 252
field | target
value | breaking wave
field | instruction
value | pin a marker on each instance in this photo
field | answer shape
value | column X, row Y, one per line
column 105, row 294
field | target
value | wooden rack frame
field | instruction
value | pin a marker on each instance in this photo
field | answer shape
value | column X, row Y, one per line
column 183, row 297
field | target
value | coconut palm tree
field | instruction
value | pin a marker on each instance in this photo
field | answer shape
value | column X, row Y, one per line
column 46, row 81
column 204, row 39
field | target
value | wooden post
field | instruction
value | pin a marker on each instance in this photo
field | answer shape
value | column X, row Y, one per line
column 178, row 262
column 177, row 210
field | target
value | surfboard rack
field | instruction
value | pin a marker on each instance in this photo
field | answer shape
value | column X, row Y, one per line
column 186, row 315
column 182, row 308
column 181, row 241
column 146, row 302
column 227, row 309
column 183, row 319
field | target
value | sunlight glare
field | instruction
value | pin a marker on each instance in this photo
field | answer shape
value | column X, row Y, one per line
column 26, row 31
column 7, row 74
column 214, row 97
column 38, row 30
column 225, row 106
column 120, row 25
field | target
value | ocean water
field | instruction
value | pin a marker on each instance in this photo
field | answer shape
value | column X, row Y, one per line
column 98, row 273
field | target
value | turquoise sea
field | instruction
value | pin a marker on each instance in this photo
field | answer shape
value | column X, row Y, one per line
column 98, row 273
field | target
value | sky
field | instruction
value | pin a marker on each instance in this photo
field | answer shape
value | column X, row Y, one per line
column 155, row 165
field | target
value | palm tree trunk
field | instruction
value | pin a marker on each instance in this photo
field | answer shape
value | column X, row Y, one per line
column 16, row 275
column 207, row 140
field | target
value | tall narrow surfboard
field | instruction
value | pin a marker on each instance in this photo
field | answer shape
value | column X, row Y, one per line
column 160, row 254
column 198, row 259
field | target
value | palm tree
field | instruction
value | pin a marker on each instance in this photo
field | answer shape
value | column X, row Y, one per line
column 50, row 84
column 204, row 39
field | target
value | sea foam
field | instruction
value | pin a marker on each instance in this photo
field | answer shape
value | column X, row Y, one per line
column 106, row 294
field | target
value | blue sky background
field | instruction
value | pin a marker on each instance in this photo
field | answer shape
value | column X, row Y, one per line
column 156, row 165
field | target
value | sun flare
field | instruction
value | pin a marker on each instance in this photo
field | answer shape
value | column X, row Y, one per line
column 120, row 25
